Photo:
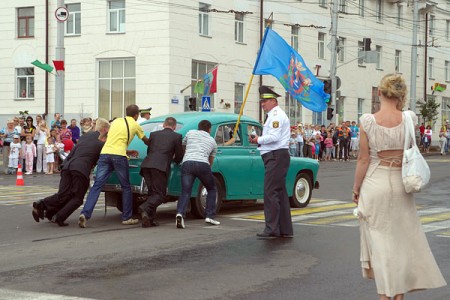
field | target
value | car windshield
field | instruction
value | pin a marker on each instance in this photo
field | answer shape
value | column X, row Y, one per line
column 150, row 127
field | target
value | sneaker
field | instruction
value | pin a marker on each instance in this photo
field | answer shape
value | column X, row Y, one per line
column 130, row 221
column 82, row 221
column 179, row 221
column 28, row 173
column 212, row 221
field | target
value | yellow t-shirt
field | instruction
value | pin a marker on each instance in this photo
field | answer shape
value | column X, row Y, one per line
column 117, row 143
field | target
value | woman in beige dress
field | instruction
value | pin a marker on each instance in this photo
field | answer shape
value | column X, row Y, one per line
column 394, row 249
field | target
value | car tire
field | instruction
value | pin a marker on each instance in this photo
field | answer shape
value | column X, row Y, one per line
column 198, row 204
column 302, row 191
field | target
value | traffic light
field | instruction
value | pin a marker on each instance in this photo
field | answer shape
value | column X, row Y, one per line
column 327, row 86
column 366, row 44
column 193, row 104
column 330, row 113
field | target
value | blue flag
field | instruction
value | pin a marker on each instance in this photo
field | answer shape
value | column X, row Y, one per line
column 277, row 58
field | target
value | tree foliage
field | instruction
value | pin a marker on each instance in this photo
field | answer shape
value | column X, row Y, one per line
column 429, row 110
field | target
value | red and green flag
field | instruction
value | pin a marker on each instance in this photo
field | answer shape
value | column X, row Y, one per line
column 42, row 66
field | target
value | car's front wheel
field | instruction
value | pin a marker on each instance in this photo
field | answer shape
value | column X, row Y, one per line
column 302, row 191
column 198, row 204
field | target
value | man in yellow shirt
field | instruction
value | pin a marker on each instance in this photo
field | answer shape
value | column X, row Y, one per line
column 113, row 157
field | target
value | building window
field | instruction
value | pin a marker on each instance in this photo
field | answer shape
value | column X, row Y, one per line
column 317, row 118
column 398, row 60
column 294, row 37
column 341, row 49
column 203, row 19
column 293, row 109
column 379, row 11
column 445, row 108
column 342, row 6
column 432, row 25
column 360, row 108
column 321, row 45
column 379, row 51
column 239, row 27
column 399, row 15
column 361, row 53
column 25, row 83
column 361, row 7
column 199, row 69
column 73, row 24
column 117, row 16
column 25, row 22
column 238, row 96
column 117, row 87
column 447, row 70
column 447, row 30
column 430, row 67
column 323, row 3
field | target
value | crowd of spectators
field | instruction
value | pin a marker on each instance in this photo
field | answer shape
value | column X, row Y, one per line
column 57, row 133
column 335, row 142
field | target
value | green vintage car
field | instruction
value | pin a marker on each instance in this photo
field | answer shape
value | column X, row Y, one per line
column 238, row 168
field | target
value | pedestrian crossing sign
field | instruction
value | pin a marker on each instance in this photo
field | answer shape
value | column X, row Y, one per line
column 206, row 103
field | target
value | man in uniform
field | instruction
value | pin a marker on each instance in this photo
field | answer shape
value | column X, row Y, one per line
column 144, row 115
column 274, row 148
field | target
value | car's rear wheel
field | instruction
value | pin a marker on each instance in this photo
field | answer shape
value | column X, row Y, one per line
column 302, row 191
column 198, row 204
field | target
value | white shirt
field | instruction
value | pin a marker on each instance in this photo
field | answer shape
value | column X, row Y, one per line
column 276, row 131
column 199, row 146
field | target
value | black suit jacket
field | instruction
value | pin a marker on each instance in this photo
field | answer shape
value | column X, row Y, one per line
column 163, row 147
column 85, row 154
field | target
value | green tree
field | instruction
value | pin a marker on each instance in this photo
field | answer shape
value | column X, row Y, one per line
column 429, row 110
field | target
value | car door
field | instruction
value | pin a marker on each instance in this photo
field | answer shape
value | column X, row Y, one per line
column 234, row 162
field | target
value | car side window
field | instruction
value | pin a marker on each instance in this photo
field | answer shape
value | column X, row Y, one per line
column 224, row 133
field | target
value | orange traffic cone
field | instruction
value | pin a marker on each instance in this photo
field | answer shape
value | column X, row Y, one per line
column 19, row 180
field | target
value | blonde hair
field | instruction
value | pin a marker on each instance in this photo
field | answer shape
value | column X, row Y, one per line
column 393, row 86
column 101, row 124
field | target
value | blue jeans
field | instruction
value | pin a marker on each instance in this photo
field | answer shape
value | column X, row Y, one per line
column 189, row 171
column 108, row 163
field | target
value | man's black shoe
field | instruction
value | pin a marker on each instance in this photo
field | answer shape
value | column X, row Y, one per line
column 38, row 210
column 264, row 235
column 59, row 222
column 154, row 223
column 146, row 222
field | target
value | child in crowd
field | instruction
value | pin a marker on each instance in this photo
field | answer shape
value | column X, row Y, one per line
column 50, row 152
column 293, row 144
column 29, row 152
column 318, row 139
column 14, row 154
column 328, row 146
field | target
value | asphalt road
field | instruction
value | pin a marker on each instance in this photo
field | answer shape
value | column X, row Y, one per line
column 110, row 261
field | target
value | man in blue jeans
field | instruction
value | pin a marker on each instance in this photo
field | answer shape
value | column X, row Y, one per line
column 201, row 149
column 113, row 157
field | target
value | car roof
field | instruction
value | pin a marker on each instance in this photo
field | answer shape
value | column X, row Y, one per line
column 186, row 118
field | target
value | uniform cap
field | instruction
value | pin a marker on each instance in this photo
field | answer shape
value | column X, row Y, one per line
column 145, row 110
column 266, row 92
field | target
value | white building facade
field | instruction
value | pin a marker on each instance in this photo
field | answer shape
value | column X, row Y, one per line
column 119, row 52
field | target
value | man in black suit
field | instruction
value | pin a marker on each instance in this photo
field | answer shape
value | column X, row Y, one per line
column 163, row 147
column 74, row 177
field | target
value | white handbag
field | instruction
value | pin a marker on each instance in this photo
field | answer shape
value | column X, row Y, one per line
column 415, row 170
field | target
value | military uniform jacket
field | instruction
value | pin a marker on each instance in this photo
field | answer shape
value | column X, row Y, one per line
column 276, row 131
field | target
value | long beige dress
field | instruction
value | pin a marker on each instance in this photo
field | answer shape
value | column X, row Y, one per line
column 394, row 248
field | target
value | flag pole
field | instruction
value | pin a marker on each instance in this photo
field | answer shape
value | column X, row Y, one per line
column 249, row 84
column 243, row 105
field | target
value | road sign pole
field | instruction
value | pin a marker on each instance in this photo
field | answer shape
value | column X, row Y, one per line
column 59, row 55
